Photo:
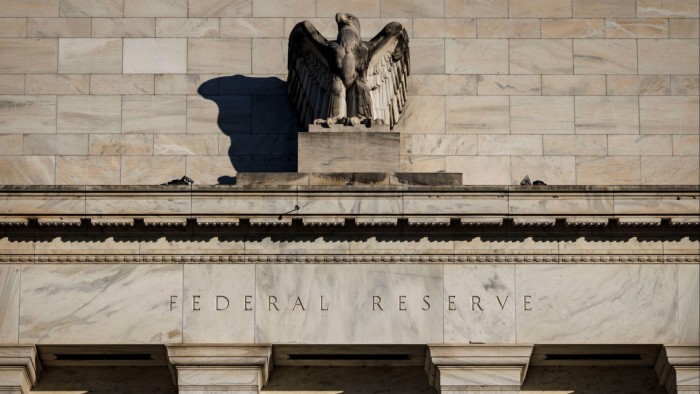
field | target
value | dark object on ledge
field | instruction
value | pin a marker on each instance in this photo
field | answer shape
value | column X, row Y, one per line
column 526, row 182
column 185, row 180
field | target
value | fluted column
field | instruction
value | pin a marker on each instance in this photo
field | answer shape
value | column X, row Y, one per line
column 19, row 368
column 678, row 368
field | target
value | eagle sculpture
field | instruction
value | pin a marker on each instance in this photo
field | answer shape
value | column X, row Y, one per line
column 348, row 81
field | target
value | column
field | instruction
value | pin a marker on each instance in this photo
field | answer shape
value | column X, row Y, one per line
column 678, row 368
column 477, row 368
column 220, row 369
column 19, row 368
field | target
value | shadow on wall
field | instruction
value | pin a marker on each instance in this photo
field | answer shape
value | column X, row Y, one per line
column 260, row 121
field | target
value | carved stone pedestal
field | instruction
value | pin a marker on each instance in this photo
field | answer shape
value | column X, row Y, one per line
column 678, row 368
column 477, row 369
column 19, row 368
column 220, row 369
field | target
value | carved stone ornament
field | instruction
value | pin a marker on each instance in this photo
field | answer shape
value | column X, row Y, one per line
column 348, row 81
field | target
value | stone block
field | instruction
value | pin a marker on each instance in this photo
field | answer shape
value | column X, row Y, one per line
column 686, row 145
column 62, row 84
column 509, row 28
column 90, row 55
column 550, row 56
column 685, row 85
column 554, row 170
column 539, row 9
column 496, row 145
column 575, row 145
column 151, row 170
column 476, row 8
column 182, row 83
column 154, row 114
column 423, row 114
column 328, row 27
column 655, row 170
column 372, row 26
column 460, row 57
column 89, row 114
column 190, row 27
column 636, row 28
column 671, row 56
column 155, row 8
column 604, row 9
column 29, row 8
column 219, row 55
column 685, row 28
column 442, row 144
column 204, row 115
column 252, row 27
column 155, row 55
column 412, row 163
column 11, row 84
column 610, row 56
column 9, row 303
column 121, row 144
column 28, row 55
column 573, row 28
column 427, row 56
column 573, row 85
column 27, row 170
column 284, row 8
column 444, row 28
column 13, row 28
column 541, row 115
column 185, row 144
column 123, row 27
column 270, row 55
column 11, row 144
column 210, row 170
column 27, row 114
column 640, row 145
column 359, row 8
column 688, row 288
column 607, row 115
column 55, row 144
column 413, row 8
column 478, row 114
column 668, row 9
column 348, row 152
column 443, row 85
column 638, row 85
column 612, row 170
column 58, row 27
column 93, row 8
column 121, row 84
column 87, row 170
column 220, row 8
column 669, row 115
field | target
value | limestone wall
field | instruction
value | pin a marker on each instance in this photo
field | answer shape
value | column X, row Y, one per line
column 141, row 92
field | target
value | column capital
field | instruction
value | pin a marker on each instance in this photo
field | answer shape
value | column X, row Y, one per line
column 19, row 367
column 678, row 368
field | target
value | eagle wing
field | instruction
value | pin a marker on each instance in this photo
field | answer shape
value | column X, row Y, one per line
column 309, row 79
column 387, row 73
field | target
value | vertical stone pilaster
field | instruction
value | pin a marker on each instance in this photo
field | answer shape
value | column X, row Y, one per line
column 220, row 369
column 477, row 368
column 678, row 368
column 19, row 368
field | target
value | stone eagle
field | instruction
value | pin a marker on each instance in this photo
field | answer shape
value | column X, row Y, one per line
column 348, row 81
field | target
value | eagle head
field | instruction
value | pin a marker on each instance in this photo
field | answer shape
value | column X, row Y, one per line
column 347, row 20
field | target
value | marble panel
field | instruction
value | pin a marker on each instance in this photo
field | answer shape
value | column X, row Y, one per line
column 219, row 55
column 639, row 299
column 409, row 245
column 640, row 145
column 87, row 170
column 550, row 56
column 27, row 114
column 592, row 244
column 457, row 204
column 123, row 27
column 509, row 28
column 423, row 114
column 636, row 28
column 203, row 114
column 28, row 55
column 607, row 115
column 669, row 115
column 643, row 203
column 67, row 244
column 87, row 304
column 359, row 8
column 509, row 85
column 155, row 55
column 153, row 8
column 286, row 8
column 29, row 8
column 185, row 144
column 510, row 145
column 362, row 151
column 151, row 170
column 55, row 144
column 372, row 26
column 153, row 114
column 17, row 245
column 669, row 56
column 612, row 379
column 477, row 8
column 13, row 28
column 542, row 115
column 613, row 170
column 413, row 8
column 478, row 115
column 328, row 27
column 670, row 170
column 407, row 303
column 270, row 55
column 11, row 144
column 428, row 56
column 505, row 245
column 349, row 204
column 150, row 204
column 479, row 304
column 252, row 27
column 183, row 245
column 412, row 163
column 93, row 8
column 567, row 145
column 609, row 56
column 9, row 303
column 90, row 55
column 444, row 27
column 354, row 379
column 58, row 27
column 638, row 85
column 12, row 83
column 685, row 28
column 573, row 28
column 89, row 114
column 539, row 9
column 668, row 8
column 120, row 144
column 241, row 203
column 190, row 27
column 480, row 170
column 681, row 245
column 32, row 204
column 200, row 168
column 688, row 307
column 183, row 83
column 443, row 85
column 547, row 204
column 685, row 85
column 604, row 9
column 300, row 245
column 442, row 144
column 554, row 170
column 460, row 59
column 220, row 8
column 122, row 84
column 58, row 84
column 686, row 145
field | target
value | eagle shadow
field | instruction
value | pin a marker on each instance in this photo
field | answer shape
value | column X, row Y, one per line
column 260, row 121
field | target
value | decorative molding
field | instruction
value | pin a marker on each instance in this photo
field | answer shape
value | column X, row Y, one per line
column 587, row 221
column 165, row 221
column 482, row 221
column 429, row 221
column 60, row 221
column 685, row 221
column 112, row 221
column 376, row 221
column 271, row 221
column 324, row 221
column 13, row 222
column 534, row 221
column 218, row 222
column 639, row 221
